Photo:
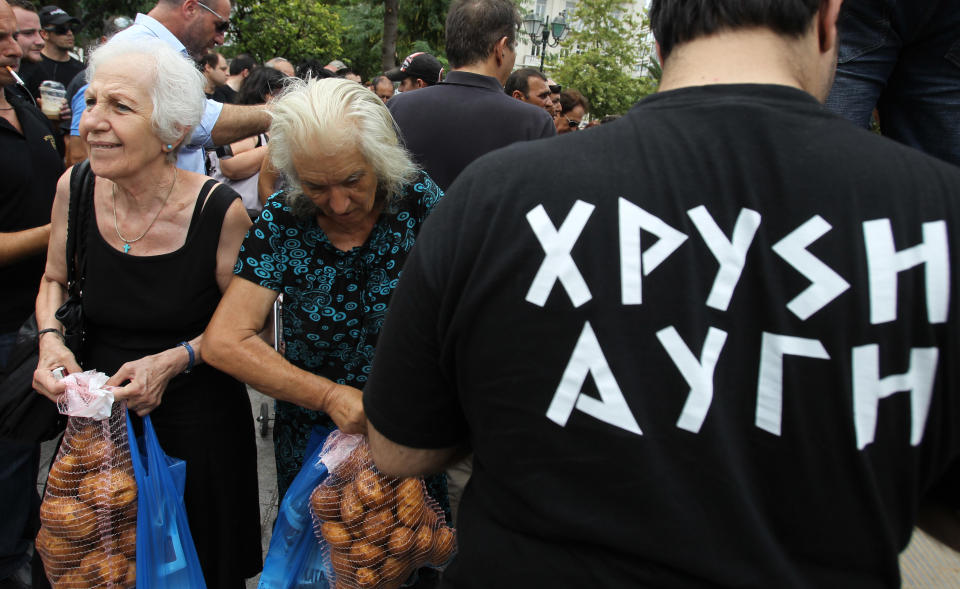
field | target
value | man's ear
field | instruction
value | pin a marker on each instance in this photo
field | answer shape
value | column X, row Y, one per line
column 421, row 84
column 519, row 95
column 499, row 49
column 826, row 19
column 44, row 35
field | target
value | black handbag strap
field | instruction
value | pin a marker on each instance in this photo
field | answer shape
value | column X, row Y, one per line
column 82, row 182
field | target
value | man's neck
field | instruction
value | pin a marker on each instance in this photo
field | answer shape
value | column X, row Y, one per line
column 754, row 56
column 55, row 53
column 483, row 68
column 235, row 82
column 209, row 87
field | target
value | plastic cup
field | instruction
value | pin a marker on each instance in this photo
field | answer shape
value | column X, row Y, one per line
column 53, row 95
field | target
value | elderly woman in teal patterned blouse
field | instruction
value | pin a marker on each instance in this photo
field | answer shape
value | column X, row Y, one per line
column 333, row 244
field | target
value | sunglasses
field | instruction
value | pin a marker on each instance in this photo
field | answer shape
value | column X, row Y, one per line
column 574, row 125
column 224, row 23
column 61, row 29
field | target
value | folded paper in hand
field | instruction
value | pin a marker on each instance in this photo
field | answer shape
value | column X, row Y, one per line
column 86, row 395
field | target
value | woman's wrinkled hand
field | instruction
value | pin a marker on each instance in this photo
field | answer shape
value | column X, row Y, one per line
column 142, row 382
column 344, row 404
column 53, row 354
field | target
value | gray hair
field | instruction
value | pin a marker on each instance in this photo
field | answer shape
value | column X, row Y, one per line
column 176, row 90
column 338, row 113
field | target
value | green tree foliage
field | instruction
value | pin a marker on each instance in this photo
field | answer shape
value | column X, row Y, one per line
column 362, row 35
column 602, row 54
column 295, row 29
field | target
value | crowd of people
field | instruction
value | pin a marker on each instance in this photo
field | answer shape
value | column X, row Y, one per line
column 693, row 347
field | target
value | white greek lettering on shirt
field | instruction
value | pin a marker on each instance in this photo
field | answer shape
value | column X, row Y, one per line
column 731, row 254
column 697, row 373
column 884, row 262
column 825, row 284
column 558, row 265
column 588, row 358
column 869, row 388
column 773, row 348
column 635, row 263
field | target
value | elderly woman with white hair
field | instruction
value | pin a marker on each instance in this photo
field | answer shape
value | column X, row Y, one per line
column 333, row 244
column 159, row 245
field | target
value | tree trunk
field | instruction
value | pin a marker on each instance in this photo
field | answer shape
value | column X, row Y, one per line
column 388, row 56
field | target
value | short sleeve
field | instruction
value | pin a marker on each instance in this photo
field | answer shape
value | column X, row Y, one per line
column 270, row 244
column 203, row 133
column 78, row 104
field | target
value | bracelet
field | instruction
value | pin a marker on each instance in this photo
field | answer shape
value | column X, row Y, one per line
column 49, row 330
column 190, row 354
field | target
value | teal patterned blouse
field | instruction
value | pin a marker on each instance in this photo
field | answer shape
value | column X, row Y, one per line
column 334, row 301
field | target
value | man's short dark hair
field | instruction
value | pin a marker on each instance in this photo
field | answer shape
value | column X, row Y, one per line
column 569, row 99
column 209, row 60
column 24, row 4
column 475, row 26
column 674, row 22
column 313, row 68
column 242, row 62
column 520, row 80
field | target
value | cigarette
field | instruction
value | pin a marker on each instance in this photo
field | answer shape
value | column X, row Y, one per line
column 15, row 76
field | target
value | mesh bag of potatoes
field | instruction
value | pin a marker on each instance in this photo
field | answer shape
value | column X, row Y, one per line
column 89, row 510
column 375, row 530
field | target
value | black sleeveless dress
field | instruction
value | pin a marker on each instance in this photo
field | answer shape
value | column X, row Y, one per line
column 136, row 306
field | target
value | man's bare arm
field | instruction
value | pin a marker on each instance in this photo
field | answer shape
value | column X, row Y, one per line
column 16, row 245
column 402, row 461
column 238, row 122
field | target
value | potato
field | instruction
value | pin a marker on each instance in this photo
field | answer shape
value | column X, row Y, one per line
column 113, row 570
column 125, row 540
column 72, row 580
column 378, row 525
column 364, row 554
column 95, row 453
column 65, row 475
column 325, row 502
column 395, row 569
column 422, row 543
column 130, row 580
column 112, row 489
column 410, row 512
column 351, row 507
column 373, row 489
column 342, row 567
column 69, row 518
column 58, row 554
column 444, row 545
column 90, row 566
column 335, row 534
column 367, row 578
column 400, row 542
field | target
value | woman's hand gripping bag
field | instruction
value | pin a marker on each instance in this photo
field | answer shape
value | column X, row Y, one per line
column 375, row 530
column 295, row 559
column 166, row 556
column 88, row 536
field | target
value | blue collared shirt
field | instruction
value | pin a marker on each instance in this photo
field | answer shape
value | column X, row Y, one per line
column 191, row 156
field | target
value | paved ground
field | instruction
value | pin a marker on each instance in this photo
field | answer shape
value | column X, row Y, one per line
column 925, row 564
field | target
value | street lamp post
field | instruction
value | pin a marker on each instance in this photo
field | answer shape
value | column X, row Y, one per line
column 541, row 30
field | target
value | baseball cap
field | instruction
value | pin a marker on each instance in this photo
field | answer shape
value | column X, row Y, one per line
column 335, row 66
column 54, row 15
column 418, row 65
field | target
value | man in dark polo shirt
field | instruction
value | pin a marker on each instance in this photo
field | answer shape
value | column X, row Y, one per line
column 449, row 125
column 30, row 168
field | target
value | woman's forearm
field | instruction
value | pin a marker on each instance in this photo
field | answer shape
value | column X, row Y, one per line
column 243, row 165
column 253, row 361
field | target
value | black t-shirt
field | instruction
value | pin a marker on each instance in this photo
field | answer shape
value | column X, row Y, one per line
column 450, row 124
column 643, row 416
column 30, row 168
column 34, row 74
column 224, row 94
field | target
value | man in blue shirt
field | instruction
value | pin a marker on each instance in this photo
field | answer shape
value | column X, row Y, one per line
column 194, row 27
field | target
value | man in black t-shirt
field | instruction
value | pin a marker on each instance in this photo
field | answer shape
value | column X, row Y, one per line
column 714, row 348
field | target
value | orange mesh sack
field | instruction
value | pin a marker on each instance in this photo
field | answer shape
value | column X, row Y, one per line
column 375, row 530
column 89, row 509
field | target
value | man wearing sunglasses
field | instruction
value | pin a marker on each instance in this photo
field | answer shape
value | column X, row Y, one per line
column 194, row 27
column 56, row 63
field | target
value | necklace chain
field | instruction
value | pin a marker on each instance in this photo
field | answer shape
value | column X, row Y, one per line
column 116, row 223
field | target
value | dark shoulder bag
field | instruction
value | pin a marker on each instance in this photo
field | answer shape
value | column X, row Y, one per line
column 26, row 415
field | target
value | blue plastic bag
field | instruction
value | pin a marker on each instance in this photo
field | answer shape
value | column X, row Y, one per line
column 166, row 556
column 295, row 558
